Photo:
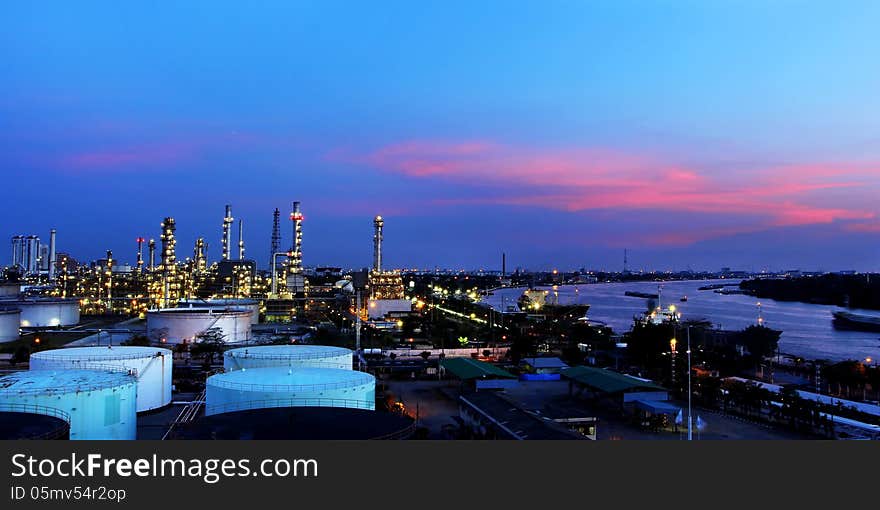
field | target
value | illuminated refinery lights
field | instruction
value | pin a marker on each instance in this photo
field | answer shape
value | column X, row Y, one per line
column 296, row 217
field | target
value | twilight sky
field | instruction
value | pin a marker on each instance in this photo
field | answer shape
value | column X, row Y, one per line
column 697, row 134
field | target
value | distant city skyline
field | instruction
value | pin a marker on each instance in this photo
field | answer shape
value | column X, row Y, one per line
column 696, row 135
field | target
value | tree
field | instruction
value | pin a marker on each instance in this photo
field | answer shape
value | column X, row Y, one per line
column 138, row 340
column 760, row 341
column 209, row 344
column 21, row 355
column 158, row 336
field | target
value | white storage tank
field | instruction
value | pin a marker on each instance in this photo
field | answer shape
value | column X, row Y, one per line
column 9, row 290
column 249, row 304
column 151, row 366
column 289, row 387
column 100, row 404
column 183, row 325
column 299, row 356
column 46, row 312
column 10, row 322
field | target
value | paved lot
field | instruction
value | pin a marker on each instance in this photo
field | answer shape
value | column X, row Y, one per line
column 435, row 402
column 437, row 407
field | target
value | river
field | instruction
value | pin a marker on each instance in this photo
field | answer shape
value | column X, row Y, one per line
column 806, row 328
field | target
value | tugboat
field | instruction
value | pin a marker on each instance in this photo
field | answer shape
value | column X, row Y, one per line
column 683, row 299
column 852, row 321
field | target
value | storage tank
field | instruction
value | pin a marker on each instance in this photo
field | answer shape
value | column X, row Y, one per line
column 45, row 312
column 297, row 423
column 10, row 322
column 249, row 304
column 24, row 422
column 101, row 405
column 9, row 290
column 261, row 388
column 299, row 356
column 150, row 365
column 181, row 325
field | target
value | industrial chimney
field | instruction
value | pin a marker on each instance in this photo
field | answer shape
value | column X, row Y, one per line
column 52, row 258
column 227, row 233
column 152, row 247
column 140, row 255
column 240, row 239
column 378, row 224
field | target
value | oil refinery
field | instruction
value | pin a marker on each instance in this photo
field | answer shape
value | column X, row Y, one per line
column 86, row 340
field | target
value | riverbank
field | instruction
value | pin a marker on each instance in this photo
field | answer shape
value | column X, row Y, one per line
column 807, row 329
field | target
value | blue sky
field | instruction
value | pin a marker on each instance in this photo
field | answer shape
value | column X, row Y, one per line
column 696, row 134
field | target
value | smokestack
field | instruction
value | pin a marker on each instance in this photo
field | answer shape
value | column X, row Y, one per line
column 52, row 257
column 378, row 224
column 140, row 253
column 503, row 264
column 152, row 247
column 240, row 239
column 227, row 233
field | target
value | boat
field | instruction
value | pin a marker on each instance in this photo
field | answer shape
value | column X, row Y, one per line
column 647, row 295
column 683, row 299
column 532, row 299
column 853, row 321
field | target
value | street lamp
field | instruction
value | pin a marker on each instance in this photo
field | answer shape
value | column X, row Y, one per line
column 690, row 421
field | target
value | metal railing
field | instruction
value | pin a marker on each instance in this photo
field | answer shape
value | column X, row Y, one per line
column 58, row 355
column 53, row 412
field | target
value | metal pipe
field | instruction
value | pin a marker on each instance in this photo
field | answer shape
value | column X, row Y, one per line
column 275, row 271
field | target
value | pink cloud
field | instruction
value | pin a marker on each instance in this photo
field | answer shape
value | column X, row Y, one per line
column 582, row 179
column 872, row 227
column 130, row 158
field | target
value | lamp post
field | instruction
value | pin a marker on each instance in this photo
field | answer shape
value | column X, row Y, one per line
column 690, row 421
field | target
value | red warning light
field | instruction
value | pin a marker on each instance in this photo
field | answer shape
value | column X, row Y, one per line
column 296, row 217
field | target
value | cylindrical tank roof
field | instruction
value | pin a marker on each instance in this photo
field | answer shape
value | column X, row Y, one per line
column 283, row 379
column 288, row 352
column 38, row 301
column 213, row 302
column 106, row 353
column 61, row 382
column 201, row 311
